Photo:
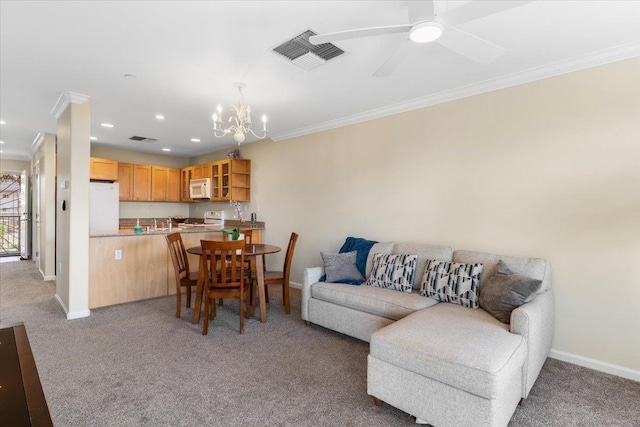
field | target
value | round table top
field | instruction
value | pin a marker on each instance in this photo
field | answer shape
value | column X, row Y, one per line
column 249, row 250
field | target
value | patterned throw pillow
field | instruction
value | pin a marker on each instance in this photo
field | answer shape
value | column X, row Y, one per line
column 393, row 271
column 452, row 282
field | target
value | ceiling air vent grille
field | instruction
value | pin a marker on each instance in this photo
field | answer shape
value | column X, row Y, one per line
column 142, row 139
column 305, row 55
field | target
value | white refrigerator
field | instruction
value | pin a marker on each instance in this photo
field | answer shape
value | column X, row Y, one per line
column 104, row 207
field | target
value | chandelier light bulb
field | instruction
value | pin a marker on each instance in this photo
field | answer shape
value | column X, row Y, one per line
column 238, row 137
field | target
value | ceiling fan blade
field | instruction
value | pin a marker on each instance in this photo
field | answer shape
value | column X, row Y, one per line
column 479, row 9
column 422, row 10
column 394, row 60
column 470, row 46
column 362, row 32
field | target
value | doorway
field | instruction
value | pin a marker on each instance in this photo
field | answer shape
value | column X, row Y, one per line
column 10, row 212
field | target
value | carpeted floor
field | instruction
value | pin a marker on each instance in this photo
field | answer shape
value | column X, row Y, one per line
column 137, row 365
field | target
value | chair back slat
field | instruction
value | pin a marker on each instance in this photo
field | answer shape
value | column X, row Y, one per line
column 226, row 261
column 178, row 255
column 289, row 256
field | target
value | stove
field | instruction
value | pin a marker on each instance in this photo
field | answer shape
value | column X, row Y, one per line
column 213, row 219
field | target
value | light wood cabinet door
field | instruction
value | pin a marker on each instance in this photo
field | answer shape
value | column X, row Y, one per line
column 158, row 184
column 141, row 183
column 103, row 169
column 125, row 181
column 173, row 185
column 184, row 185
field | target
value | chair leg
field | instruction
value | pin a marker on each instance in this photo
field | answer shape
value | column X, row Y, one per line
column 220, row 303
column 188, row 296
column 241, row 312
column 285, row 297
column 249, row 301
column 266, row 294
column 178, row 301
column 205, row 321
column 377, row 401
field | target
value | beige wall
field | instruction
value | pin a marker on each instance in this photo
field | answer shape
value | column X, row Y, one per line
column 145, row 209
column 44, row 159
column 72, row 225
column 547, row 169
column 8, row 165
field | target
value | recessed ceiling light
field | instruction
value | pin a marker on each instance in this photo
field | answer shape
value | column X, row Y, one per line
column 106, row 125
column 195, row 139
column 0, row 151
column 1, row 142
column 166, row 149
column 2, row 122
column 93, row 138
column 159, row 117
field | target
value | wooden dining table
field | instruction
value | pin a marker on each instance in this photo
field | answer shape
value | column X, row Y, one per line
column 252, row 252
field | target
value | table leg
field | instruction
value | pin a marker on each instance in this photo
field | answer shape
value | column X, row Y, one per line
column 260, row 280
column 199, row 288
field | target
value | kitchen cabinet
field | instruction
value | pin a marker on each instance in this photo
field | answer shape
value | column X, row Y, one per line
column 201, row 171
column 103, row 169
column 184, row 185
column 158, row 184
column 235, row 180
column 125, row 181
column 141, row 182
column 173, row 185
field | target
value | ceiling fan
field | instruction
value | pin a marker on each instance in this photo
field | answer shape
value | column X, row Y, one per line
column 432, row 21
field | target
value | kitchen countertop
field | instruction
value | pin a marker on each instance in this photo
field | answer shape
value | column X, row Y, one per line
column 198, row 229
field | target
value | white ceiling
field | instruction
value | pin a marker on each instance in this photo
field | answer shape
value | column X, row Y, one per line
column 186, row 56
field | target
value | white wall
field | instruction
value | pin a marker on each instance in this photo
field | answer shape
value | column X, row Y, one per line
column 548, row 169
column 45, row 157
column 8, row 165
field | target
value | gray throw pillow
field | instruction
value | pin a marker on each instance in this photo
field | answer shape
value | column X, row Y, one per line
column 341, row 267
column 505, row 291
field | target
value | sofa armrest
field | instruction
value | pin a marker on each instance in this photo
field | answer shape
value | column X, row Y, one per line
column 309, row 276
column 535, row 322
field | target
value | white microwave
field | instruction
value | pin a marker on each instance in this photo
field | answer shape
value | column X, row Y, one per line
column 200, row 188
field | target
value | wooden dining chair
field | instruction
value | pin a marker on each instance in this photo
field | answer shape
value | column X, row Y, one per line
column 184, row 278
column 281, row 277
column 230, row 281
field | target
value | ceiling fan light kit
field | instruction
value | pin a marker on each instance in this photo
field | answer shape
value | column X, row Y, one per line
column 426, row 32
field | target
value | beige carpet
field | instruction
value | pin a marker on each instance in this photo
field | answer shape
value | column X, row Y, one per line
column 135, row 364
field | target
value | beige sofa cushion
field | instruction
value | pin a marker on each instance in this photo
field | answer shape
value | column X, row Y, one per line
column 465, row 348
column 381, row 302
column 535, row 268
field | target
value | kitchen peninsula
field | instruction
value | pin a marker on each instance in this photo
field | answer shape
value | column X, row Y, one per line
column 125, row 266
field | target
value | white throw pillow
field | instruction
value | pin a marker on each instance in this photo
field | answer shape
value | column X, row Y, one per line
column 393, row 271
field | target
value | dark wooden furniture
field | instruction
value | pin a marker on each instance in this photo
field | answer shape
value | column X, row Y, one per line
column 250, row 251
column 223, row 265
column 22, row 401
column 184, row 278
column 282, row 277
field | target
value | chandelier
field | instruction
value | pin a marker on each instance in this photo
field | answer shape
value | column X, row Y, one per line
column 240, row 124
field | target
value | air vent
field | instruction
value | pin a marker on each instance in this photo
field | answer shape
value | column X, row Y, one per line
column 142, row 139
column 305, row 55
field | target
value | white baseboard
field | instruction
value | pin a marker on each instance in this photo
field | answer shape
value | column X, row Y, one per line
column 78, row 314
column 598, row 365
column 73, row 315
column 295, row 285
column 47, row 278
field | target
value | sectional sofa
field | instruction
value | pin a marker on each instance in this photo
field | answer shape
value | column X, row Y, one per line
column 442, row 362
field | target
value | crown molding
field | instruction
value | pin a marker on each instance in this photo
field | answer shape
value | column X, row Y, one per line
column 36, row 144
column 65, row 99
column 622, row 52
